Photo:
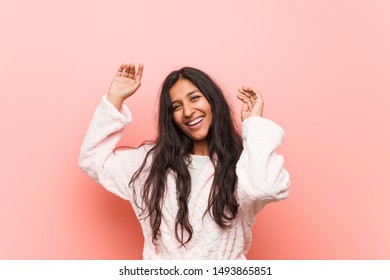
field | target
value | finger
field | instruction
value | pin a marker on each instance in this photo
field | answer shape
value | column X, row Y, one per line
column 241, row 97
column 244, row 98
column 247, row 91
column 120, row 70
column 246, row 101
column 140, row 70
column 126, row 71
column 245, row 104
column 245, row 108
column 252, row 91
column 132, row 71
column 257, row 98
column 252, row 96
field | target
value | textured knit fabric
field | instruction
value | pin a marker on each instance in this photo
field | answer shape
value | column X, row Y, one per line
column 261, row 179
column 196, row 166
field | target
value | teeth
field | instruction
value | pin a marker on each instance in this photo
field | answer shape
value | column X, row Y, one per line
column 197, row 120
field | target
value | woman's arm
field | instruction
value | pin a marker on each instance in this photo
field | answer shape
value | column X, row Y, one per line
column 97, row 157
column 262, row 177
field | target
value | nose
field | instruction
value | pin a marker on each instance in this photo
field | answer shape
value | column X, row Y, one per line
column 188, row 110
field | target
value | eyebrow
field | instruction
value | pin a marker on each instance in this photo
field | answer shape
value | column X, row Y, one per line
column 191, row 92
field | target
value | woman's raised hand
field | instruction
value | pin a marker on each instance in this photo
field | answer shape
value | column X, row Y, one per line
column 252, row 102
column 125, row 83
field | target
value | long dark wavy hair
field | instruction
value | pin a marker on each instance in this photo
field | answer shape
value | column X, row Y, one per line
column 171, row 153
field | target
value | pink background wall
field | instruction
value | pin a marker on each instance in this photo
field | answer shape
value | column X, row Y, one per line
column 323, row 68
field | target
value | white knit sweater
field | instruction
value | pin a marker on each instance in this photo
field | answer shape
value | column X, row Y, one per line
column 261, row 179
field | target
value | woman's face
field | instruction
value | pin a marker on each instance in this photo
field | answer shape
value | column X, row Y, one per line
column 191, row 111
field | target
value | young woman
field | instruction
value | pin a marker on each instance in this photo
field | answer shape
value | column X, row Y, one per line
column 197, row 189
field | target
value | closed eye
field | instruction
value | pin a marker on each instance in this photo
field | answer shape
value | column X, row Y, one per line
column 194, row 97
column 176, row 107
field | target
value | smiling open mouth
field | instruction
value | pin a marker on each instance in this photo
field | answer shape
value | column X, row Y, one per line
column 196, row 121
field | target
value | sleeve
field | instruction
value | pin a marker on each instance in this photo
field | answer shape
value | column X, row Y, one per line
column 262, row 177
column 113, row 170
